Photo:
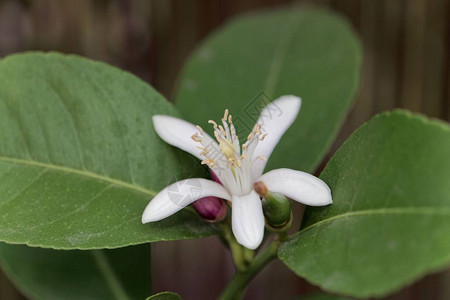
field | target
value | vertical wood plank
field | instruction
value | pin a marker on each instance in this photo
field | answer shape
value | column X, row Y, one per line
column 47, row 25
column 350, row 9
column 162, row 45
column 365, row 97
column 369, row 11
column 197, row 269
column 444, row 281
column 388, row 46
column 13, row 27
column 434, row 53
column 446, row 107
column 413, row 55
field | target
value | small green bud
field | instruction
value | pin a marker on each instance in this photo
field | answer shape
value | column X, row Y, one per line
column 276, row 208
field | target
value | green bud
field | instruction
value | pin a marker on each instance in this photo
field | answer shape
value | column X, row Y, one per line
column 276, row 208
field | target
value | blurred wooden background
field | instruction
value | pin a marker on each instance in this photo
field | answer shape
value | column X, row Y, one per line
column 406, row 64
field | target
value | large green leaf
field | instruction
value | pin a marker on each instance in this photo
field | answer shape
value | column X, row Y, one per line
column 320, row 296
column 390, row 220
column 98, row 274
column 79, row 159
column 308, row 52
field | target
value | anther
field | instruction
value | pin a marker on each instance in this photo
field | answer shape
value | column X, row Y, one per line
column 199, row 128
column 222, row 130
column 213, row 123
column 217, row 136
column 196, row 138
column 225, row 115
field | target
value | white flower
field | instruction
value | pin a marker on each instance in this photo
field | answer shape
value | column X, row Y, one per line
column 238, row 168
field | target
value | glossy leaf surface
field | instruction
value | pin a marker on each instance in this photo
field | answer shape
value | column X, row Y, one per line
column 390, row 221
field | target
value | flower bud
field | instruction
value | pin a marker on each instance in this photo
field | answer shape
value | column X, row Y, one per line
column 212, row 209
column 276, row 208
column 214, row 176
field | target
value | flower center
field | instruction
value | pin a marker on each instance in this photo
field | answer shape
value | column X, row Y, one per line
column 227, row 148
column 230, row 161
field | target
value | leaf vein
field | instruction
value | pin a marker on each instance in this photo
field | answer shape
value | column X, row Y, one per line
column 72, row 123
column 108, row 96
column 89, row 174
column 381, row 211
column 39, row 175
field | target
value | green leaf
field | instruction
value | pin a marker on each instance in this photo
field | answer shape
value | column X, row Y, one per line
column 390, row 221
column 79, row 159
column 165, row 296
column 307, row 52
column 320, row 296
column 98, row 274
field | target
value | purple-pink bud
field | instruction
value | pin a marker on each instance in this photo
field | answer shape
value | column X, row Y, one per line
column 214, row 176
column 212, row 209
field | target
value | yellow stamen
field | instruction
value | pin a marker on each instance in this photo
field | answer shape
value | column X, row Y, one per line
column 222, row 130
column 258, row 128
column 204, row 152
column 199, row 128
column 213, row 123
column 226, row 147
column 210, row 162
column 225, row 115
column 196, row 138
column 227, row 144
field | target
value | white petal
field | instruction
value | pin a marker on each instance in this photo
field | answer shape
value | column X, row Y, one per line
column 298, row 186
column 275, row 118
column 248, row 220
column 178, row 133
column 180, row 194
